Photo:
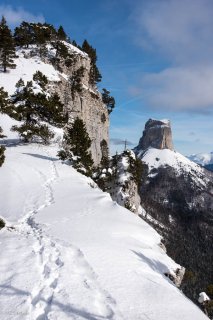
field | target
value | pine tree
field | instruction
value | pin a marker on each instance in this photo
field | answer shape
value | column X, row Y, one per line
column 40, row 79
column 2, row 155
column 95, row 75
column 77, row 142
column 7, row 47
column 3, row 100
column 23, row 35
column 108, row 100
column 6, row 105
column 76, row 81
column 61, row 34
column 30, row 108
column 1, row 134
column 2, row 148
column 54, row 112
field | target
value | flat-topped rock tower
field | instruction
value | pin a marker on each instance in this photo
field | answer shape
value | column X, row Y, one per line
column 157, row 134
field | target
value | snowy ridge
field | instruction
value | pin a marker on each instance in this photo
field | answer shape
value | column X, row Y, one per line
column 156, row 158
column 80, row 255
column 74, row 49
column 25, row 68
column 202, row 158
column 27, row 65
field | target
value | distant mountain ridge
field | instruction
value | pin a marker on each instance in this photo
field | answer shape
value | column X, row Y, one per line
column 177, row 195
column 202, row 158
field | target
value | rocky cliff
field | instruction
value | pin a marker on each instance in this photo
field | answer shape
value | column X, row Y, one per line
column 157, row 134
column 80, row 98
column 85, row 103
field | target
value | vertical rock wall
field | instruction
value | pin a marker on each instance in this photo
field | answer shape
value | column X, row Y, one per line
column 86, row 105
column 157, row 134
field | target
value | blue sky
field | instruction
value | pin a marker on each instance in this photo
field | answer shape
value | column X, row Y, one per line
column 155, row 56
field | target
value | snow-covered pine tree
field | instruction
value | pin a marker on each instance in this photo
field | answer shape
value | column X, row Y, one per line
column 76, row 147
column 7, row 47
column 29, row 109
column 32, row 108
column 2, row 155
column 2, row 149
column 1, row 134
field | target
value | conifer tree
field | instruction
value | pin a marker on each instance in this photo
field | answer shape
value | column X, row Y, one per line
column 95, row 75
column 40, row 79
column 7, row 47
column 23, row 35
column 6, row 105
column 30, row 108
column 54, row 111
column 2, row 155
column 3, row 100
column 2, row 148
column 1, row 134
column 77, row 142
column 61, row 34
column 108, row 100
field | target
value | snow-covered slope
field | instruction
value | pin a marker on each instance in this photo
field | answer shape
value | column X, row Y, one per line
column 202, row 158
column 156, row 158
column 25, row 68
column 70, row 252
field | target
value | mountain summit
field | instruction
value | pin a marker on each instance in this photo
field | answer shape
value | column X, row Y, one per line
column 157, row 134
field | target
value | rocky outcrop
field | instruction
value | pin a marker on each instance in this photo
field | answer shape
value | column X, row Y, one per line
column 85, row 102
column 157, row 134
column 178, row 196
column 88, row 106
column 126, row 195
column 124, row 188
column 176, row 276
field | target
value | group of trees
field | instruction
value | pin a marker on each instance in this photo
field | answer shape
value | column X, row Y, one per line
column 7, row 47
column 37, row 33
column 40, row 34
column 33, row 109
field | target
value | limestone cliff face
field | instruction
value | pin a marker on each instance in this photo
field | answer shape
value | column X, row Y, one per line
column 85, row 103
column 157, row 134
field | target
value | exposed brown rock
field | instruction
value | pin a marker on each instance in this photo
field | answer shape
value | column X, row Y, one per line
column 157, row 134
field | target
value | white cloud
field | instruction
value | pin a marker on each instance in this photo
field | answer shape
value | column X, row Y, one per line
column 181, row 29
column 181, row 32
column 181, row 89
column 17, row 15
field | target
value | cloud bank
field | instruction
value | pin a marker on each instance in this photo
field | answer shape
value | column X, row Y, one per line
column 17, row 15
column 181, row 32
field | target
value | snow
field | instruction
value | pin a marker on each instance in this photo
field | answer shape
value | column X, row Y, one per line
column 165, row 121
column 25, row 68
column 75, row 49
column 70, row 252
column 156, row 158
column 202, row 158
column 203, row 297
